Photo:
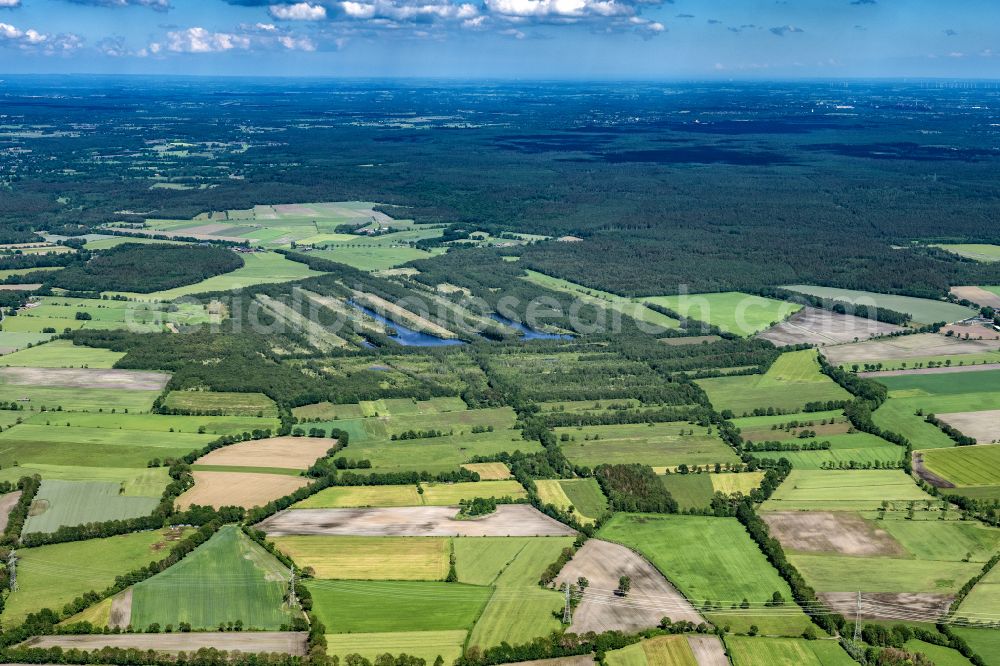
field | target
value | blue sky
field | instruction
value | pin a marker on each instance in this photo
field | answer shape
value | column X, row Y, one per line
column 633, row 39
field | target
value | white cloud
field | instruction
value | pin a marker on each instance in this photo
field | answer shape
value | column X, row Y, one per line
column 559, row 8
column 10, row 4
column 296, row 43
column 300, row 11
column 266, row 27
column 200, row 40
column 30, row 39
column 158, row 5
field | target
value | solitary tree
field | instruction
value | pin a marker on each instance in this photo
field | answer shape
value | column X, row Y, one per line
column 624, row 585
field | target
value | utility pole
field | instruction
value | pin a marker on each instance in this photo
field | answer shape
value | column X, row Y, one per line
column 857, row 620
column 568, row 611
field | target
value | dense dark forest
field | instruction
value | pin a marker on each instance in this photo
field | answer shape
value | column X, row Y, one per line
column 706, row 187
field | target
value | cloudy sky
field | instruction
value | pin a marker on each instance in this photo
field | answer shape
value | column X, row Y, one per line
column 638, row 39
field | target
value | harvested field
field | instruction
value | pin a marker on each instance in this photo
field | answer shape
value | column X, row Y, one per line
column 246, row 489
column 943, row 370
column 829, row 532
column 651, row 598
column 121, row 610
column 887, row 605
column 286, row 642
column 495, row 471
column 708, row 650
column 280, row 452
column 578, row 660
column 973, row 331
column 983, row 426
column 7, row 503
column 131, row 380
column 509, row 520
column 907, row 346
column 823, row 327
column 977, row 295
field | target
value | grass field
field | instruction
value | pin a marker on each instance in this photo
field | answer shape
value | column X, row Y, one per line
column 385, row 407
column 56, row 444
column 939, row 654
column 692, row 491
column 339, row 497
column 858, row 448
column 369, row 558
column 938, row 540
column 966, row 465
column 977, row 251
column 227, row 578
column 71, row 503
column 709, row 558
column 231, row 404
column 922, row 310
column 437, row 454
column 659, row 651
column 586, row 497
column 899, row 416
column 789, row 384
column 864, row 490
column 518, row 609
column 12, row 341
column 62, row 354
column 391, row 606
column 731, row 311
column 489, row 471
column 258, row 268
column 60, row 312
column 449, row 494
column 54, row 398
column 742, row 482
column 985, row 642
column 657, row 445
column 158, row 423
column 52, row 576
column 628, row 307
column 984, row 599
column 136, row 482
column 746, row 651
column 834, row 573
column 427, row 645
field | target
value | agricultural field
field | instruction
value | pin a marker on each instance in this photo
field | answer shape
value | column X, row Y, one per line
column 849, row 450
column 977, row 251
column 985, row 296
column 229, row 578
column 293, row 453
column 489, row 471
column 710, row 559
column 662, row 650
column 52, row 576
column 793, row 381
column 71, row 503
column 369, row 558
column 731, row 311
column 246, row 489
column 216, row 402
column 62, row 354
column 849, row 490
column 973, row 469
column 62, row 312
column 11, row 342
column 624, row 306
column 922, row 310
column 692, row 491
column 910, row 351
column 258, row 268
column 746, row 651
column 657, row 445
column 823, row 327
column 427, row 645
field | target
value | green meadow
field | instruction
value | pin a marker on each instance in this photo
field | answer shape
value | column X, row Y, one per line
column 657, row 445
column 731, row 311
column 71, row 503
column 923, row 310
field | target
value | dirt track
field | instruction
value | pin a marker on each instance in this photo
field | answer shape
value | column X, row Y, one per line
column 930, row 477
column 651, row 598
column 708, row 650
column 244, row 641
column 983, row 367
column 509, row 520
column 131, row 380
column 887, row 605
column 828, row 532
column 7, row 504
column 822, row 327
